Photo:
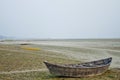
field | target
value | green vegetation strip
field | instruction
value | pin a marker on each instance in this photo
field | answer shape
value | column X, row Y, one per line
column 109, row 75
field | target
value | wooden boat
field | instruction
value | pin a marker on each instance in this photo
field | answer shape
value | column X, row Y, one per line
column 79, row 70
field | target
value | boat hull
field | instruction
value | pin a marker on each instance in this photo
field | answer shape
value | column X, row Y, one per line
column 76, row 72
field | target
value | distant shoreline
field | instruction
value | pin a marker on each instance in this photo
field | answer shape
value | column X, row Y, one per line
column 90, row 39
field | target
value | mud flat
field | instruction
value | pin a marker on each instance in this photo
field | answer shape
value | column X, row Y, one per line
column 14, row 59
column 81, row 50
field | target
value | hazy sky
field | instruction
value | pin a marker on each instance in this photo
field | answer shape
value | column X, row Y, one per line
column 60, row 18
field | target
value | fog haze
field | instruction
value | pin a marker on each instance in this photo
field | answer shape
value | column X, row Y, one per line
column 60, row 18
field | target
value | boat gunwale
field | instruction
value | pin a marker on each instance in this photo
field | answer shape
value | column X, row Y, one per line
column 84, row 67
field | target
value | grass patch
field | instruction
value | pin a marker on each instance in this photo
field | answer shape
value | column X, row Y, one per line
column 13, row 58
column 46, row 76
